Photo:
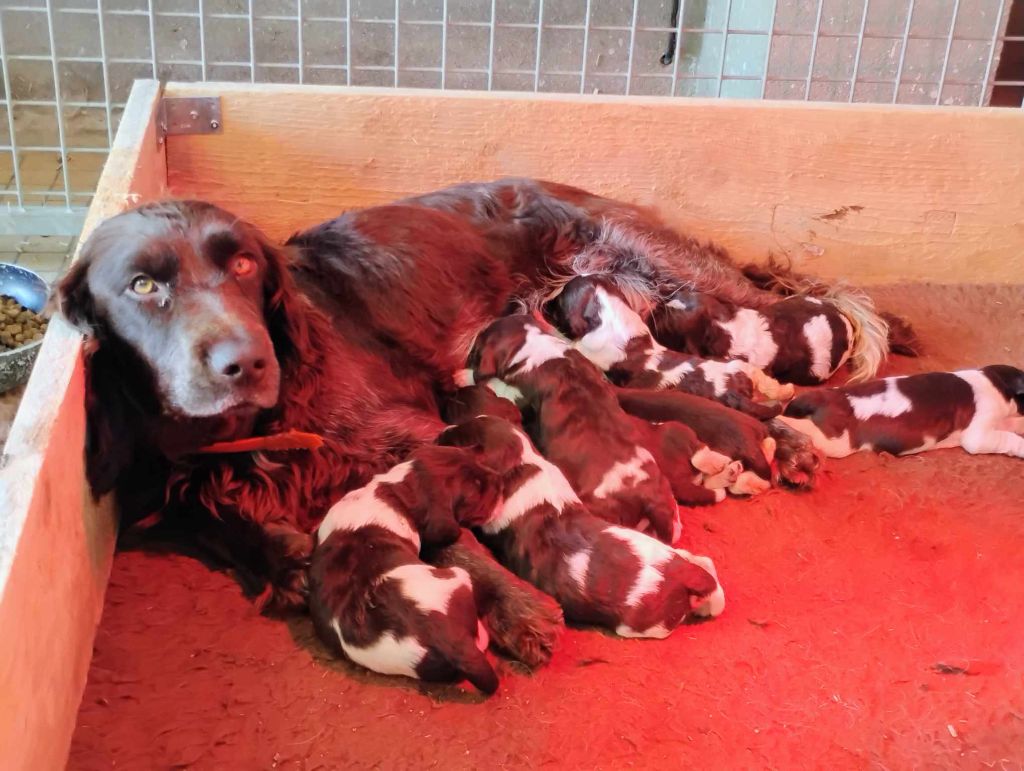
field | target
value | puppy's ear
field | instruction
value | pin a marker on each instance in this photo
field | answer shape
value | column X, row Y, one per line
column 576, row 311
column 74, row 299
column 484, row 360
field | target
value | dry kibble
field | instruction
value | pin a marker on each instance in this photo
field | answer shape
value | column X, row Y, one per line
column 18, row 325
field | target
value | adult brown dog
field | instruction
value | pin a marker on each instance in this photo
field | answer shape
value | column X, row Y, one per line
column 202, row 330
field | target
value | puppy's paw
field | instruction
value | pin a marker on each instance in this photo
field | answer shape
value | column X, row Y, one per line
column 525, row 623
column 796, row 457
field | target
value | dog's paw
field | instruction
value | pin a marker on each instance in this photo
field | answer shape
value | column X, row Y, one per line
column 288, row 553
column 796, row 457
column 524, row 623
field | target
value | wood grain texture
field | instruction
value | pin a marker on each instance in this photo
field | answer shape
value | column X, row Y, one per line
column 55, row 541
column 872, row 193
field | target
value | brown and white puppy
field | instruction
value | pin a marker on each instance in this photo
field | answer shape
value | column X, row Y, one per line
column 577, row 424
column 800, row 339
column 594, row 313
column 376, row 600
column 977, row 409
column 684, row 460
column 601, row 574
column 726, row 431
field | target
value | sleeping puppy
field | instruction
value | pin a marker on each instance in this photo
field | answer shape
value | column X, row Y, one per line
column 600, row 574
column 376, row 601
column 592, row 311
column 682, row 457
column 800, row 340
column 726, row 431
column 577, row 424
column 977, row 409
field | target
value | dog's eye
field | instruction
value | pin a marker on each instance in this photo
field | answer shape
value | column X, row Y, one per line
column 242, row 266
column 143, row 285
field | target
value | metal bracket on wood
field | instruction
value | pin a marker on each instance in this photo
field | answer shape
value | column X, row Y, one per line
column 189, row 115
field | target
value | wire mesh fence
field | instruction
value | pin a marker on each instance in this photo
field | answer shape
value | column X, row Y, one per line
column 68, row 64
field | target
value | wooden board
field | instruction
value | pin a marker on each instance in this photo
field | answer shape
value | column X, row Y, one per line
column 872, row 193
column 55, row 541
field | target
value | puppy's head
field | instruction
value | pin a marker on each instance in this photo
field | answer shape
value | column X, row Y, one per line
column 190, row 294
column 495, row 442
column 576, row 311
column 463, row 491
column 513, row 345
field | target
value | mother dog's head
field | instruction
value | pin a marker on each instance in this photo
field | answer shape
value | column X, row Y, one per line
column 187, row 308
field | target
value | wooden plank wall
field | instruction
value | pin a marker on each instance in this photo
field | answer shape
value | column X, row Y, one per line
column 56, row 543
column 872, row 193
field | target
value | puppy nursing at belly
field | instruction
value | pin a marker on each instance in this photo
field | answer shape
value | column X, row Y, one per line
column 376, row 600
column 801, row 340
column 977, row 409
column 594, row 313
column 600, row 574
column 576, row 423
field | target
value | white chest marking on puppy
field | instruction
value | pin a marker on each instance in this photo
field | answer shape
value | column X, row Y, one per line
column 624, row 474
column 549, row 485
column 751, row 339
column 891, row 403
column 361, row 508
column 504, row 390
column 538, row 349
column 389, row 655
column 651, row 553
column 656, row 632
column 818, row 334
column 579, row 564
column 429, row 592
column 606, row 345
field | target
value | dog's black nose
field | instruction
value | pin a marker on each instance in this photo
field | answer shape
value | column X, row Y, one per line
column 236, row 361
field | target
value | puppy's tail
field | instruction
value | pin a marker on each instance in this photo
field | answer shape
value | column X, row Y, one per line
column 871, row 329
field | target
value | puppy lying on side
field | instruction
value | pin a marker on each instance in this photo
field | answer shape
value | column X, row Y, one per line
column 600, row 574
column 577, row 424
column 592, row 311
column 977, row 409
column 389, row 611
column 729, row 432
column 800, row 339
column 682, row 457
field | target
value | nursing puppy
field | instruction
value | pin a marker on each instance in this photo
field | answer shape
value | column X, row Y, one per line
column 592, row 311
column 600, row 574
column 682, row 457
column 376, row 600
column 977, row 409
column 801, row 340
column 577, row 424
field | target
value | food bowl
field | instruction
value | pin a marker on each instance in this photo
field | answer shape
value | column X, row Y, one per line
column 32, row 292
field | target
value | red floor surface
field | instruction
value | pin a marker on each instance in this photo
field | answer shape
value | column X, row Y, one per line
column 875, row 622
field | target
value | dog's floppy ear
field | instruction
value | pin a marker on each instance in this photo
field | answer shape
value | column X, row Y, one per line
column 110, row 440
column 74, row 299
column 287, row 319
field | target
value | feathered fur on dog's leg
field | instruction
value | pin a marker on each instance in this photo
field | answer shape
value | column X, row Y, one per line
column 521, row 620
